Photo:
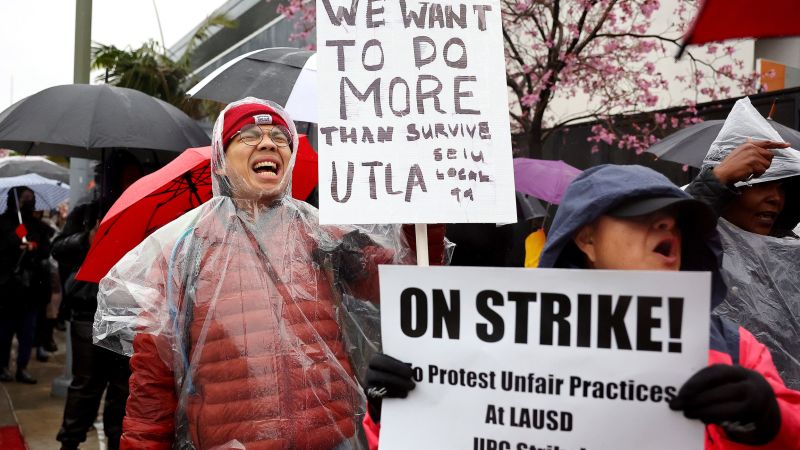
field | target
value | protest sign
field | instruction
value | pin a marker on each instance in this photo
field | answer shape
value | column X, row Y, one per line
column 413, row 112
column 545, row 359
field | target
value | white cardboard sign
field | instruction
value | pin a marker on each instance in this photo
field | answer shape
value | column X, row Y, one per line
column 413, row 112
column 545, row 359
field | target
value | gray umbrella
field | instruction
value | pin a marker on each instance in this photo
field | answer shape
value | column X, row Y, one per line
column 690, row 145
column 287, row 76
column 13, row 166
column 80, row 120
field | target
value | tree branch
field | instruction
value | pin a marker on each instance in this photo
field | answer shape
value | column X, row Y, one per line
column 593, row 34
column 539, row 26
column 517, row 57
column 515, row 87
column 581, row 23
column 591, row 115
column 520, row 120
column 556, row 23
column 642, row 36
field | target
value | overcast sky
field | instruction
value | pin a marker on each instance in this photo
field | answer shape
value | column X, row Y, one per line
column 37, row 36
column 37, row 41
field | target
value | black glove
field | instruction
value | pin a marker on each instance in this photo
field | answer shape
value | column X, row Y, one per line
column 740, row 400
column 386, row 377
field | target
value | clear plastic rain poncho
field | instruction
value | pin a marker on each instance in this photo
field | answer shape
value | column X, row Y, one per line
column 745, row 122
column 763, row 272
column 763, row 278
column 263, row 316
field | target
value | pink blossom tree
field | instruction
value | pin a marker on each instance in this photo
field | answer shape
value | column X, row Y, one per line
column 304, row 15
column 605, row 54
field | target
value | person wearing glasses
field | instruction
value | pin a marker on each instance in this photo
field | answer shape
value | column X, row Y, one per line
column 240, row 314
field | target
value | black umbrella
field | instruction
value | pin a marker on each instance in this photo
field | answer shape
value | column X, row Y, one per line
column 287, row 76
column 80, row 120
column 530, row 208
column 690, row 145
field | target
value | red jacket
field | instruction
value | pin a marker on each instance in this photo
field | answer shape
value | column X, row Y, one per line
column 729, row 344
column 754, row 356
column 265, row 362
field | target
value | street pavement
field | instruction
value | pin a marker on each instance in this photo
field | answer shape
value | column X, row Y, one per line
column 37, row 412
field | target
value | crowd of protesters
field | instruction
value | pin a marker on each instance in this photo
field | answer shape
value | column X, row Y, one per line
column 39, row 259
column 245, row 323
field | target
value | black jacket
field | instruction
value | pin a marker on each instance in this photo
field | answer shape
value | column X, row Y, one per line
column 709, row 189
column 25, row 275
column 69, row 249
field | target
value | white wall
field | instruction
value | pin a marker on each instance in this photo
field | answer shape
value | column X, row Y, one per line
column 782, row 50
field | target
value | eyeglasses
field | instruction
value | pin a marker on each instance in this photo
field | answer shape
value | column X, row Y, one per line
column 252, row 135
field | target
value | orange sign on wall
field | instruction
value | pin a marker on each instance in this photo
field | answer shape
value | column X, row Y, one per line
column 773, row 75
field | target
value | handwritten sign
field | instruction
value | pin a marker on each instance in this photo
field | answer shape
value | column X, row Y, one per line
column 413, row 112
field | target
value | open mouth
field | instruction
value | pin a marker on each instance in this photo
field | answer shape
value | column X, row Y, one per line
column 767, row 217
column 266, row 169
column 665, row 248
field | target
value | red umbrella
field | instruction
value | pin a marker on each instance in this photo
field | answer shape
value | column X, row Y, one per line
column 304, row 174
column 718, row 20
column 159, row 198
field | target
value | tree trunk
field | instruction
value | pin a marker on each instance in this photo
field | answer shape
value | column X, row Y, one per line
column 534, row 138
column 535, row 144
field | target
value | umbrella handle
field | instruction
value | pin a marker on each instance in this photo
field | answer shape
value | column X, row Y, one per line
column 19, row 215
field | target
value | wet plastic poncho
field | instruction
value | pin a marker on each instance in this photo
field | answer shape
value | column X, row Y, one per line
column 763, row 277
column 762, row 271
column 745, row 122
column 246, row 321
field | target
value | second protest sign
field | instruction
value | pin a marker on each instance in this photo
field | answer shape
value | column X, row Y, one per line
column 543, row 359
